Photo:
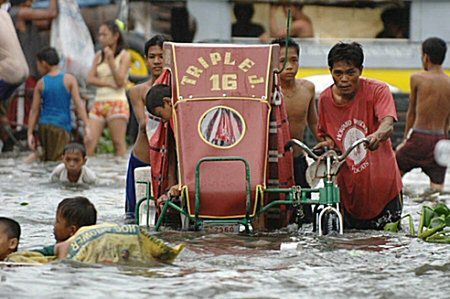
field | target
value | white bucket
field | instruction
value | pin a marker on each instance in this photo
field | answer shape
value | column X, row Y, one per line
column 144, row 174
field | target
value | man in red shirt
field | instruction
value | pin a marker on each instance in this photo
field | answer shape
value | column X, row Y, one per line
column 350, row 109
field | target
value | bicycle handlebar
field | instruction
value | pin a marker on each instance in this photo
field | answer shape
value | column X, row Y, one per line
column 302, row 145
column 310, row 153
column 352, row 147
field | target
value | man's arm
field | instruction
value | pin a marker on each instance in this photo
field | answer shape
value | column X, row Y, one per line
column 34, row 114
column 50, row 13
column 137, row 103
column 411, row 113
column 382, row 134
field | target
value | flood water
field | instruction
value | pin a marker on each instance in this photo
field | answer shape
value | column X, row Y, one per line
column 285, row 264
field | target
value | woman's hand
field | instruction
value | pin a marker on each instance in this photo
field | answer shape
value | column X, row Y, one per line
column 109, row 55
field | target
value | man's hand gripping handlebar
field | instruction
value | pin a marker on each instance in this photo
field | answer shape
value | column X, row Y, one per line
column 312, row 155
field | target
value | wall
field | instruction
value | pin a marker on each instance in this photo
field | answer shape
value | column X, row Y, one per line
column 213, row 19
column 430, row 18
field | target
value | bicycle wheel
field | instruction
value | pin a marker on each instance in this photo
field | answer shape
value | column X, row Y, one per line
column 330, row 223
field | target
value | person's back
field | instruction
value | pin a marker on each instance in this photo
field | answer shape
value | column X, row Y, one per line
column 433, row 100
column 52, row 105
column 428, row 116
column 56, row 100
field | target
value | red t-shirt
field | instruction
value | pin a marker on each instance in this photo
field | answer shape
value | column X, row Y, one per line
column 369, row 179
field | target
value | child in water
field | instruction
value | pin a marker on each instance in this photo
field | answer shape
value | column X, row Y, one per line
column 9, row 236
column 73, row 168
column 71, row 214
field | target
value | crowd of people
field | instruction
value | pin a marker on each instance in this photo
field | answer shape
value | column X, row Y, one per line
column 351, row 108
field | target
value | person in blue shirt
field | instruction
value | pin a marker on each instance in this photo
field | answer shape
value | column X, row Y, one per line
column 52, row 106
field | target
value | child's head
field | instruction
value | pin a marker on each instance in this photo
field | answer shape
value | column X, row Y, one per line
column 292, row 59
column 71, row 214
column 9, row 236
column 46, row 59
column 74, row 157
column 158, row 102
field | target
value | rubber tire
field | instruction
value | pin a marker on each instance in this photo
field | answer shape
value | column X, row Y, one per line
column 330, row 223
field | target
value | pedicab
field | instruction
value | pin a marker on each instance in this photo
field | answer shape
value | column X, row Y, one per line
column 234, row 163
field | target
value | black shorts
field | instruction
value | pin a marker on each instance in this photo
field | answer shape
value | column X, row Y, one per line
column 392, row 212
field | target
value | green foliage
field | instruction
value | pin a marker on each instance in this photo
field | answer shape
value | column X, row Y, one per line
column 434, row 224
column 105, row 145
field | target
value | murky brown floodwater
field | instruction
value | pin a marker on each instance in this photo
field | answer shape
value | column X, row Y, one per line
column 292, row 264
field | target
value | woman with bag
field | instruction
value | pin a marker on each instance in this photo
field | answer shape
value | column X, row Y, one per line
column 109, row 74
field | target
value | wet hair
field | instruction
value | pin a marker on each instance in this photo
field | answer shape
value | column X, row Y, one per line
column 75, row 147
column 157, row 40
column 290, row 43
column 243, row 11
column 155, row 96
column 12, row 228
column 114, row 28
column 78, row 211
column 49, row 55
column 350, row 53
column 435, row 48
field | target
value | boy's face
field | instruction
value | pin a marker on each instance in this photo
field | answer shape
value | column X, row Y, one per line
column 7, row 245
column 62, row 230
column 346, row 78
column 155, row 60
column 291, row 68
column 165, row 112
column 74, row 161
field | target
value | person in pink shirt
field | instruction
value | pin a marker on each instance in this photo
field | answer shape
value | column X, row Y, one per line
column 350, row 109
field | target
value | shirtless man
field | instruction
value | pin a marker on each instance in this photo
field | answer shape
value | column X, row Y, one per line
column 300, row 106
column 140, row 153
column 301, row 25
column 428, row 116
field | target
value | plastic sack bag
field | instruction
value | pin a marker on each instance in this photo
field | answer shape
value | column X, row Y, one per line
column 112, row 243
column 71, row 38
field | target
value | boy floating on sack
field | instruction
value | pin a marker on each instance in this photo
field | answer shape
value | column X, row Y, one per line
column 79, row 239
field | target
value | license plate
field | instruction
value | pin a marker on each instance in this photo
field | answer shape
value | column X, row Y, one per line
column 221, row 228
